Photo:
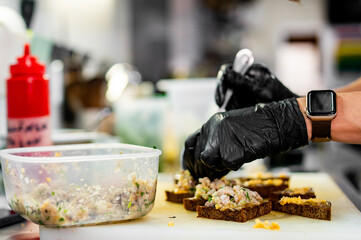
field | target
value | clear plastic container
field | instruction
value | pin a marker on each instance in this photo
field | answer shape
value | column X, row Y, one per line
column 73, row 185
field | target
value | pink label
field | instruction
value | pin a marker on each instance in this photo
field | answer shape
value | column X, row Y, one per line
column 28, row 132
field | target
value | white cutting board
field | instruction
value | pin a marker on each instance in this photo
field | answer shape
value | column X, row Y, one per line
column 345, row 223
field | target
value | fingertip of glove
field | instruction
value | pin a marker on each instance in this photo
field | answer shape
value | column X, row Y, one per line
column 192, row 139
column 210, row 158
column 206, row 155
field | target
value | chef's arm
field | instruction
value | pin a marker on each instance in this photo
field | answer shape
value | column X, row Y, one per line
column 230, row 139
column 346, row 127
column 352, row 87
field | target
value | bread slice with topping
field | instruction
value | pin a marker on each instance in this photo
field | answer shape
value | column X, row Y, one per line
column 265, row 182
column 191, row 204
column 311, row 208
column 184, row 187
column 265, row 176
column 304, row 193
column 266, row 186
column 241, row 215
column 234, row 204
column 204, row 190
column 172, row 196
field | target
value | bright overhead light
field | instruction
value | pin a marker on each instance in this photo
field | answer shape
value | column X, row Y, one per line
column 118, row 77
column 116, row 85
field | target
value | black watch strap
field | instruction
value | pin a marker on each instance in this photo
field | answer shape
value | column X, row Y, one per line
column 321, row 131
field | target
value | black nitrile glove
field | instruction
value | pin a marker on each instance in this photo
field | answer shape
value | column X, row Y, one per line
column 230, row 139
column 258, row 85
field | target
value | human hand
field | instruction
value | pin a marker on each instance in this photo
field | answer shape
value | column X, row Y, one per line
column 257, row 85
column 230, row 139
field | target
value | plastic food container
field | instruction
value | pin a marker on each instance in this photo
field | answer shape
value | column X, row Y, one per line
column 73, row 185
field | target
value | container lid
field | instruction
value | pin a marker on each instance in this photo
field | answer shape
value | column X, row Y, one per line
column 79, row 153
column 27, row 64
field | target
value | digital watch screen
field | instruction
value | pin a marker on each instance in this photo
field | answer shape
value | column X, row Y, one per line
column 321, row 103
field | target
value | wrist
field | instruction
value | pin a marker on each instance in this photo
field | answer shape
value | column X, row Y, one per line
column 346, row 127
column 302, row 105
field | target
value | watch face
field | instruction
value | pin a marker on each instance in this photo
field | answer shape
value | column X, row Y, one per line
column 321, row 103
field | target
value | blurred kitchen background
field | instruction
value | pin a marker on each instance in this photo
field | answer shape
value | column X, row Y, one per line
column 143, row 72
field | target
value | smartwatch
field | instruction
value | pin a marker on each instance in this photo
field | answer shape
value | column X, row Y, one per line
column 321, row 110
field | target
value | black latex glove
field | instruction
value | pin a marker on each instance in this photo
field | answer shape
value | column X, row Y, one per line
column 258, row 85
column 230, row 139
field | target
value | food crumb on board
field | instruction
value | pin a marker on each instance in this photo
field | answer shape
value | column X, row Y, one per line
column 58, row 154
column 171, row 224
column 266, row 225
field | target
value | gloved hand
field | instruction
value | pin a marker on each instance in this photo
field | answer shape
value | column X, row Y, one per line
column 230, row 139
column 258, row 85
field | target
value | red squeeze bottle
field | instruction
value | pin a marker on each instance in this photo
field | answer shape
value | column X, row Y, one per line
column 28, row 103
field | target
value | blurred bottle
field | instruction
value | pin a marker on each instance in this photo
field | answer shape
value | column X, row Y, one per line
column 12, row 39
column 28, row 103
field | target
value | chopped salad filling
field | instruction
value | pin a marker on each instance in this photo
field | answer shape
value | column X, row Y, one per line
column 206, row 187
column 78, row 205
column 184, row 182
column 233, row 198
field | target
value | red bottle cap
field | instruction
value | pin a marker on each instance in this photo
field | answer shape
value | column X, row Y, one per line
column 27, row 88
column 27, row 64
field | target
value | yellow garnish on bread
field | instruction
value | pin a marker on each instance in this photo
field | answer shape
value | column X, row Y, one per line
column 299, row 200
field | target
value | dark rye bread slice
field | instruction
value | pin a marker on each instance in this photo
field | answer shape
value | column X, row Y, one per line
column 177, row 197
column 242, row 215
column 318, row 211
column 244, row 179
column 266, row 190
column 191, row 204
column 277, row 195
